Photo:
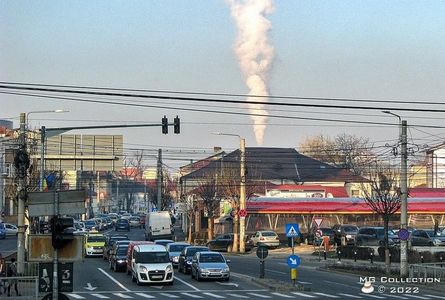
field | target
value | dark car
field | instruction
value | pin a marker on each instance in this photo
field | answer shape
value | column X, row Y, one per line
column 225, row 241
column 90, row 225
column 118, row 258
column 122, row 224
column 174, row 250
column 185, row 258
column 110, row 242
column 374, row 236
column 427, row 238
column 346, row 233
column 311, row 237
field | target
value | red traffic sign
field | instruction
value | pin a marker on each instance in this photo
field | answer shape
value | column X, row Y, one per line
column 242, row 213
column 318, row 221
column 318, row 233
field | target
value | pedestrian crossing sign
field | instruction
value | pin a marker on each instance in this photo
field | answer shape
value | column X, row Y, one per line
column 292, row 230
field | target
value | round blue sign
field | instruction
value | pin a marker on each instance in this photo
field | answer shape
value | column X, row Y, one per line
column 293, row 261
column 403, row 234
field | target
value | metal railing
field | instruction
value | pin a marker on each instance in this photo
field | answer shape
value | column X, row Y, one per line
column 428, row 270
column 29, row 269
column 27, row 287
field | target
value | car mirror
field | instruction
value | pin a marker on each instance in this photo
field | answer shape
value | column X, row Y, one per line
column 228, row 261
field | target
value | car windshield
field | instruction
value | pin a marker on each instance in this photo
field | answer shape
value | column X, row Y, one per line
column 176, row 248
column 121, row 251
column 269, row 233
column 351, row 229
column 152, row 257
column 327, row 230
column 211, row 258
column 192, row 251
column 431, row 233
column 122, row 222
column 95, row 239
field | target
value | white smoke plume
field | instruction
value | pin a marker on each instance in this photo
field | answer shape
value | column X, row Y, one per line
column 255, row 53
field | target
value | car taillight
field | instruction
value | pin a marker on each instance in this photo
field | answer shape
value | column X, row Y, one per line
column 261, row 239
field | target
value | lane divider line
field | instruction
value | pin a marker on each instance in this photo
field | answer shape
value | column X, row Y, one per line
column 114, row 280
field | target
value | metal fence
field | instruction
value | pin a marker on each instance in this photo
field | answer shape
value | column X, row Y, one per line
column 29, row 269
column 27, row 287
column 428, row 270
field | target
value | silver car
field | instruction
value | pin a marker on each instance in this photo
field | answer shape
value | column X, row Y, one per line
column 265, row 238
column 211, row 265
column 174, row 250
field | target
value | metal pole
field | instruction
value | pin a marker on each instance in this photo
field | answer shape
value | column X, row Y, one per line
column 21, row 202
column 159, row 181
column 404, row 195
column 242, row 204
column 42, row 157
column 56, row 254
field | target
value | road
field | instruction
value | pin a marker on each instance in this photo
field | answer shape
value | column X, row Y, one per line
column 8, row 245
column 94, row 280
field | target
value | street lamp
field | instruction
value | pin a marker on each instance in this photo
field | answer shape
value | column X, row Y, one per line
column 242, row 200
column 404, row 193
column 43, row 112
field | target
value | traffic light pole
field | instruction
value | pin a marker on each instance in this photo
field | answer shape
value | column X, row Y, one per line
column 22, row 183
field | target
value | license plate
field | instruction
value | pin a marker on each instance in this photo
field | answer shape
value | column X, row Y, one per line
column 157, row 276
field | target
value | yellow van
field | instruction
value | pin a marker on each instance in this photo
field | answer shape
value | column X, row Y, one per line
column 94, row 244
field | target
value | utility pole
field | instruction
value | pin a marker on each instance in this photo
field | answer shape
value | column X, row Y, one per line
column 159, row 181
column 99, row 204
column 404, row 204
column 242, row 202
column 21, row 162
column 42, row 157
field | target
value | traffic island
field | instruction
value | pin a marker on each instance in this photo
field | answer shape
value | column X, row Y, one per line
column 277, row 285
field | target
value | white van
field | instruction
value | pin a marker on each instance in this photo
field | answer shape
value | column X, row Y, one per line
column 151, row 263
column 158, row 225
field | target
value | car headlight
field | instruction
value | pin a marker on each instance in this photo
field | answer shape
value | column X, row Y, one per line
column 348, row 236
column 189, row 262
column 204, row 271
column 225, row 270
column 437, row 241
column 169, row 268
column 143, row 269
column 175, row 258
column 120, row 261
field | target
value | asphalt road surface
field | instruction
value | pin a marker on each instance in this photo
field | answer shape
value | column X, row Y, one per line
column 94, row 280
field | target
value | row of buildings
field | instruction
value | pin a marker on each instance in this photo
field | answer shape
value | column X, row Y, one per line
column 98, row 164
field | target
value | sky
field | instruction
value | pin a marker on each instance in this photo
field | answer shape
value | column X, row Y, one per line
column 381, row 50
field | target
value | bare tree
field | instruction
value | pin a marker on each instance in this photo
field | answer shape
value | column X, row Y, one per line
column 382, row 194
column 208, row 192
column 133, row 170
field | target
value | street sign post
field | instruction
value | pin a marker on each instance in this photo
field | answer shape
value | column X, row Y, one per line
column 318, row 233
column 262, row 252
column 242, row 213
column 69, row 202
column 65, row 277
column 293, row 261
column 403, row 234
column 292, row 230
column 41, row 249
column 318, row 221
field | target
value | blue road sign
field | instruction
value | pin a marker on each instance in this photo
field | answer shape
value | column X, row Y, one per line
column 154, row 209
column 293, row 261
column 292, row 230
column 403, row 234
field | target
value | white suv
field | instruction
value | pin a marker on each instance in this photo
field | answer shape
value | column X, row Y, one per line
column 151, row 263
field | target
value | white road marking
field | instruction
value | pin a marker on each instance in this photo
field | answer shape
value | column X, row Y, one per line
column 273, row 271
column 144, row 295
column 303, row 295
column 76, row 296
column 434, row 296
column 372, row 296
column 326, row 295
column 100, row 296
column 169, row 295
column 259, row 295
column 415, row 296
column 237, row 296
column 214, row 295
column 188, row 284
column 282, row 295
column 114, row 280
column 191, row 295
column 350, row 296
column 122, row 295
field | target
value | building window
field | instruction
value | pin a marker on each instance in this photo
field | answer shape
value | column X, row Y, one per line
column 355, row 193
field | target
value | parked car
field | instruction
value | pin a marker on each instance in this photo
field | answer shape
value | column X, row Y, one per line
column 265, row 238
column 122, row 224
column 347, row 232
column 174, row 250
column 185, row 258
column 2, row 231
column 210, row 265
column 118, row 257
column 10, row 229
column 135, row 222
column 374, row 236
column 426, row 238
column 110, row 242
column 224, row 242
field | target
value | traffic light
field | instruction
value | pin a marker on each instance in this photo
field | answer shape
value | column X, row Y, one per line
column 164, row 125
column 176, row 125
column 62, row 231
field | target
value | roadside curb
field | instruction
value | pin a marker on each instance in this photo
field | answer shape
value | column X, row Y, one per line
column 274, row 285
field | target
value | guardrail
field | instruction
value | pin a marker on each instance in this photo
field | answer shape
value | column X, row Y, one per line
column 27, row 287
column 428, row 270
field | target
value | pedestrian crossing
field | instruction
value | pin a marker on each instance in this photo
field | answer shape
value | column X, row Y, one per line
column 244, row 295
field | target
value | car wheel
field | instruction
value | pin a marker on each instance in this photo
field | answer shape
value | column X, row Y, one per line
column 133, row 278
column 191, row 272
column 137, row 281
column 430, row 244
